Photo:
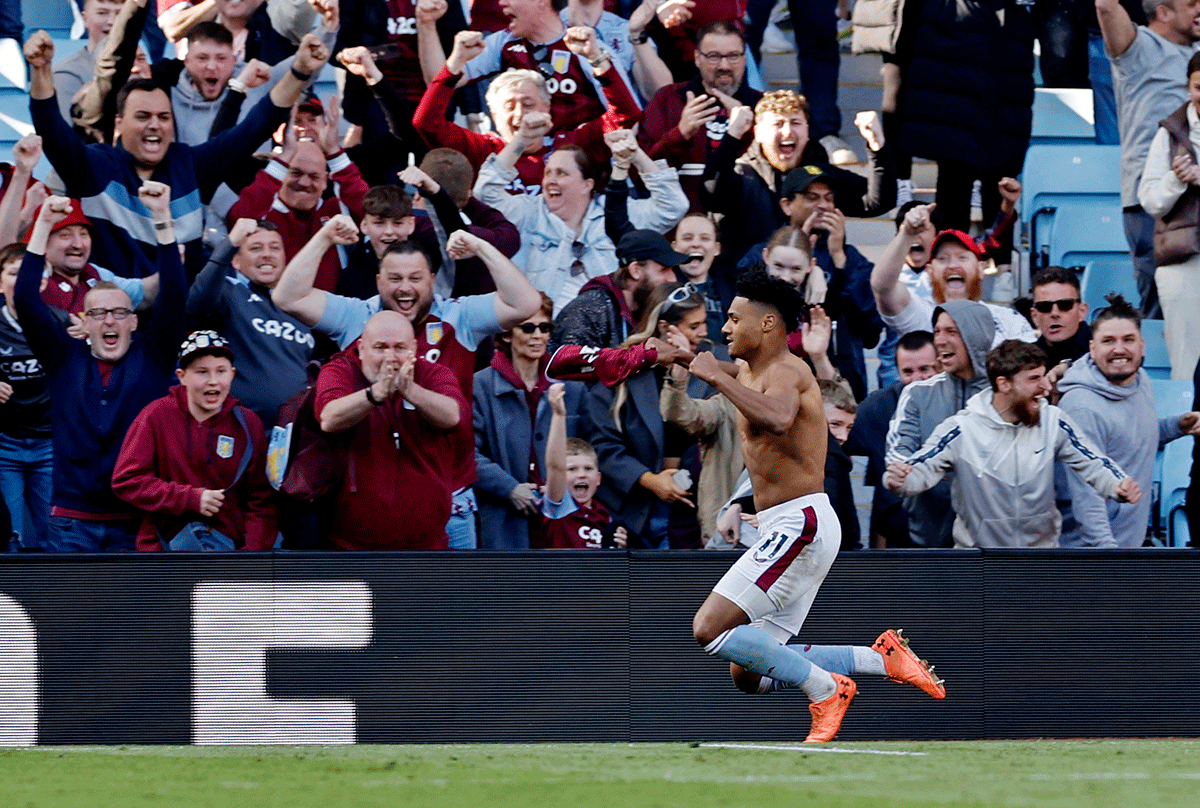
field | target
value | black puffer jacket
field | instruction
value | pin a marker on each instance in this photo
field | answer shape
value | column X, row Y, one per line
column 967, row 91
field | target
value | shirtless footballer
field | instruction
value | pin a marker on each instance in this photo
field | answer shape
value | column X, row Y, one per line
column 761, row 602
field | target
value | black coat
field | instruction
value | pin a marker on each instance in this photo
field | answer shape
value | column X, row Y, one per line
column 626, row 452
column 967, row 84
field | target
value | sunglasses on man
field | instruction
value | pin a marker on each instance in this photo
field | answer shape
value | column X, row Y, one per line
column 1064, row 305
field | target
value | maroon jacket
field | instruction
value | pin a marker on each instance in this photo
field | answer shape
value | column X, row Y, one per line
column 430, row 121
column 661, row 139
column 260, row 200
column 400, row 474
column 169, row 458
column 62, row 294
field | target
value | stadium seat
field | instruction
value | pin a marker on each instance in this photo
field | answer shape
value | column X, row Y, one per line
column 7, row 86
column 1087, row 231
column 1176, row 476
column 1102, row 277
column 1171, row 397
column 15, row 104
column 14, row 123
column 1058, row 172
column 64, row 46
column 1157, row 363
column 1062, row 115
column 52, row 15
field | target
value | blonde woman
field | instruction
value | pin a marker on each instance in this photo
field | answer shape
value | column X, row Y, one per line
column 640, row 457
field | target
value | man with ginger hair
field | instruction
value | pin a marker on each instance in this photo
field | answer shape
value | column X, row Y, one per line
column 746, row 189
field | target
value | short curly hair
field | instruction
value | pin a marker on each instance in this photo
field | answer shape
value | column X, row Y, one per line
column 757, row 286
column 781, row 102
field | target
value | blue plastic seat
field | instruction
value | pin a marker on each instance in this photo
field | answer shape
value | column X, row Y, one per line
column 1104, row 277
column 1176, row 476
column 1171, row 397
column 14, row 119
column 54, row 16
column 1059, row 174
column 1062, row 172
column 64, row 46
column 1087, row 231
column 1157, row 362
column 1062, row 116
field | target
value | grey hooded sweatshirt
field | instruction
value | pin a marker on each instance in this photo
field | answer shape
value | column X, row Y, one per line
column 1121, row 421
column 924, row 405
column 1003, row 489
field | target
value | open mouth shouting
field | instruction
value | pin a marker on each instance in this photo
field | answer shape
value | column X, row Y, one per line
column 153, row 145
column 406, row 304
column 956, row 284
column 694, row 259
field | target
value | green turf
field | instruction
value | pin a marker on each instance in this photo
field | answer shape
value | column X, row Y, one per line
column 1159, row 773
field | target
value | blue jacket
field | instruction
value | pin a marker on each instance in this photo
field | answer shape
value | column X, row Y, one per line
column 89, row 417
column 105, row 181
column 503, row 437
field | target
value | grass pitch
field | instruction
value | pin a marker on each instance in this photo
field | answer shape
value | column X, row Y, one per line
column 1159, row 773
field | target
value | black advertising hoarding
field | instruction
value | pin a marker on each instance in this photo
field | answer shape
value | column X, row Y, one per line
column 572, row 646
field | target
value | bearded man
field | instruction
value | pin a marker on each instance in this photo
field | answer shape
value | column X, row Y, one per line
column 1005, row 495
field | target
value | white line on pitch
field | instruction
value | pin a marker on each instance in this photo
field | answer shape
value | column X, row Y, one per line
column 809, row 748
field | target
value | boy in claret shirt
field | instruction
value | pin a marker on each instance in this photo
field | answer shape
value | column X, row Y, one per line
column 577, row 521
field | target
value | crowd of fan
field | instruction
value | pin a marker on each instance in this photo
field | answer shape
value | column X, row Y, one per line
column 505, row 242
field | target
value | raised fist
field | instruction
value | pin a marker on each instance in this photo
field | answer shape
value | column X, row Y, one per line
column 312, row 54
column 467, row 45
column 430, row 11
column 39, row 50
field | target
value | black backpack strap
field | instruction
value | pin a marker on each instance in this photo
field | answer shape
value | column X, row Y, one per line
column 248, row 453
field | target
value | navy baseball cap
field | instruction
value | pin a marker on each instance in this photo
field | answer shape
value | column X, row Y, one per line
column 646, row 245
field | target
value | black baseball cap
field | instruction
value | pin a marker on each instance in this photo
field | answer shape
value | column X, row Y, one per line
column 646, row 245
column 798, row 179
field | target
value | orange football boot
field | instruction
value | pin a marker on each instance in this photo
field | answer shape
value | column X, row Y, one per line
column 904, row 666
column 827, row 715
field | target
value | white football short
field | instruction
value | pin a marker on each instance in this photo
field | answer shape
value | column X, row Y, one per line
column 776, row 580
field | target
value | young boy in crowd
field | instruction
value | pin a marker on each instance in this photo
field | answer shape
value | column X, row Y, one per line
column 577, row 522
column 193, row 461
column 840, row 408
column 840, row 411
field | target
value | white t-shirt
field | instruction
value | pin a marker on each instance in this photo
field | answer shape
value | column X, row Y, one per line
column 918, row 316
